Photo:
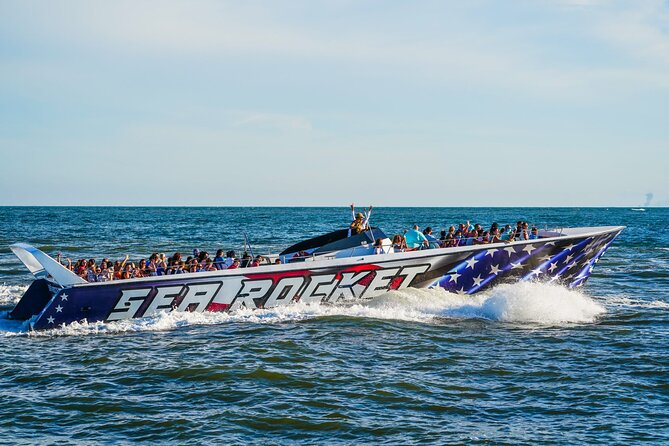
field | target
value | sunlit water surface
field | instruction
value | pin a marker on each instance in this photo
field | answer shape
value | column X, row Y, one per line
column 523, row 363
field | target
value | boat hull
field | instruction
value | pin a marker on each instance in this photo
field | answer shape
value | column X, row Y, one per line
column 465, row 270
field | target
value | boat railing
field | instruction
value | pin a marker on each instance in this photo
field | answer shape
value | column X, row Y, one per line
column 442, row 244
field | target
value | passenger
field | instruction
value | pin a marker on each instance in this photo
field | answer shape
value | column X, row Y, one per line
column 180, row 268
column 176, row 259
column 229, row 259
column 471, row 236
column 171, row 266
column 105, row 272
column 209, row 265
column 496, row 236
column 478, row 238
column 219, row 260
column 127, row 271
column 415, row 239
column 80, row 268
column 519, row 230
column 431, row 240
column 91, row 273
column 360, row 221
column 142, row 269
column 442, row 236
column 193, row 267
column 524, row 233
column 505, row 233
column 161, row 264
column 246, row 260
column 534, row 234
column 202, row 260
column 257, row 261
column 399, row 244
column 235, row 264
column 119, row 266
column 378, row 246
column 277, row 262
column 152, row 265
column 457, row 239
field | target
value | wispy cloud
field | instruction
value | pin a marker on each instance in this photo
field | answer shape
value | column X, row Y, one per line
column 511, row 57
column 272, row 121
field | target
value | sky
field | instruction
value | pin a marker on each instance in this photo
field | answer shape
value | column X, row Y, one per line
column 324, row 103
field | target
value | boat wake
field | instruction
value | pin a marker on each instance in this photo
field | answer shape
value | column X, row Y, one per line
column 10, row 294
column 521, row 303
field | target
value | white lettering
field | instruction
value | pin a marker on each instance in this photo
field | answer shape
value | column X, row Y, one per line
column 128, row 304
column 345, row 289
column 163, row 299
column 198, row 295
column 226, row 294
column 411, row 272
column 252, row 289
column 380, row 282
column 319, row 288
column 285, row 291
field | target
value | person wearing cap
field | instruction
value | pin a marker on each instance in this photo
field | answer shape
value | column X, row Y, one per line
column 360, row 221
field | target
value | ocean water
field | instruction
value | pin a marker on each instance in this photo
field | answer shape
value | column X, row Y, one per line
column 524, row 363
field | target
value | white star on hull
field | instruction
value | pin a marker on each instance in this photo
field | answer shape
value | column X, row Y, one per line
column 529, row 248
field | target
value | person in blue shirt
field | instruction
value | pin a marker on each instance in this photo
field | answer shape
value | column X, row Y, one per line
column 416, row 239
column 534, row 234
column 219, row 260
column 431, row 239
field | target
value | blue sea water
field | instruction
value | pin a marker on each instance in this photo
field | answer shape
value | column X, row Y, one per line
column 524, row 363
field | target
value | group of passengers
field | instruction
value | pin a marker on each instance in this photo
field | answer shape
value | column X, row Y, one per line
column 465, row 234
column 160, row 265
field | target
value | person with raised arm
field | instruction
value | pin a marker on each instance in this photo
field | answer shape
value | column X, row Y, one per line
column 360, row 221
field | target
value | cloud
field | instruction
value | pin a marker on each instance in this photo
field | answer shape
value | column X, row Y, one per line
column 443, row 45
column 272, row 121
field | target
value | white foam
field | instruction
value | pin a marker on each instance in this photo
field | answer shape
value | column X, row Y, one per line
column 624, row 301
column 523, row 303
column 10, row 294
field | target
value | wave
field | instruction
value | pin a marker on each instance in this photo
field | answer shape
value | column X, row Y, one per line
column 10, row 294
column 624, row 301
column 521, row 303
column 638, row 209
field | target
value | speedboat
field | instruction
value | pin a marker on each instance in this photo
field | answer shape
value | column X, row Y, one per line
column 332, row 268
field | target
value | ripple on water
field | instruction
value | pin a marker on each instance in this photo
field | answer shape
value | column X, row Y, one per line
column 524, row 364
